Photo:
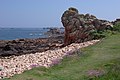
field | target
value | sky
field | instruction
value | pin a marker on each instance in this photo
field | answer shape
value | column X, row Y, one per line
column 47, row 13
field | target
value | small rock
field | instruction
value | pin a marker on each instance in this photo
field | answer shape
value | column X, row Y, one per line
column 1, row 68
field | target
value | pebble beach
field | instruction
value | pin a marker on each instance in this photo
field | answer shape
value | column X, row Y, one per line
column 9, row 66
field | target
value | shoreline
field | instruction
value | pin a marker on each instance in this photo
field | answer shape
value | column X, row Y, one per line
column 26, row 46
column 18, row 64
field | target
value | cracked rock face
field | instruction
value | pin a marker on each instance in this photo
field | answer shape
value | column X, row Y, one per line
column 79, row 26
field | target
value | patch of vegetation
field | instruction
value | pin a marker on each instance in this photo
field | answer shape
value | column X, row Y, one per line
column 111, row 70
column 98, row 34
column 116, row 27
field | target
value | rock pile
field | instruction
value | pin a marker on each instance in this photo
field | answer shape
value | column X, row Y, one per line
column 78, row 27
column 18, row 64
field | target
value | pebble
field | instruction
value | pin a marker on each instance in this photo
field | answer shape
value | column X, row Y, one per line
column 18, row 64
column 1, row 68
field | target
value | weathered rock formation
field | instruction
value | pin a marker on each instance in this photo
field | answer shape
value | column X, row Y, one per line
column 78, row 27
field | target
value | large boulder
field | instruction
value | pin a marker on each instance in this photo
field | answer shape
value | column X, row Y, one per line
column 78, row 27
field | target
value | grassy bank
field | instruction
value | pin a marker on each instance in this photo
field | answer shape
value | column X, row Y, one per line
column 104, row 56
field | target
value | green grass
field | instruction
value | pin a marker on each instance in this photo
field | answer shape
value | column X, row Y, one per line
column 104, row 55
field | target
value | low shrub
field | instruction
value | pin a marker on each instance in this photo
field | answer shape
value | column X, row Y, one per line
column 116, row 27
column 97, row 34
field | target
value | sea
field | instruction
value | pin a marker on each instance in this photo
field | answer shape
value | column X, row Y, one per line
column 22, row 33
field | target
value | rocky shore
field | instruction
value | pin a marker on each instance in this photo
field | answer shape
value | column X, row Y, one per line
column 12, row 65
column 27, row 46
column 17, row 56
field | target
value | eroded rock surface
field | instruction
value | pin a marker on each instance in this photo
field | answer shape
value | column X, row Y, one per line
column 27, row 46
column 78, row 27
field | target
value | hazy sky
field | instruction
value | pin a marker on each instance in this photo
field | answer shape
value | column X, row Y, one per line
column 47, row 13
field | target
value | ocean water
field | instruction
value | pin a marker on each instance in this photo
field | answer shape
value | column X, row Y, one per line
column 20, row 33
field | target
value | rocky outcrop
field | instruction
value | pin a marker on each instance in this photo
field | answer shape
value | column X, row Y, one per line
column 54, row 32
column 27, row 46
column 78, row 27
